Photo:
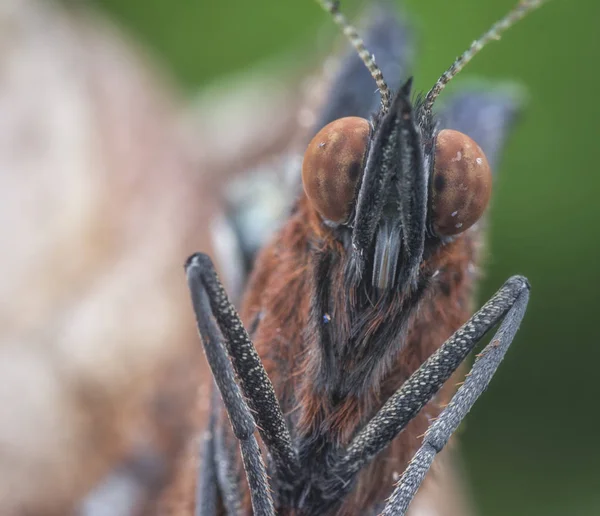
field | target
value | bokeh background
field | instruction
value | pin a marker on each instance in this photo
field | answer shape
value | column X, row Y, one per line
column 531, row 444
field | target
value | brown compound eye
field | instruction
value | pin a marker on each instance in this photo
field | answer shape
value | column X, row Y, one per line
column 332, row 166
column 461, row 185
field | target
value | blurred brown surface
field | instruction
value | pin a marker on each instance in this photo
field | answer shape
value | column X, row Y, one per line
column 105, row 189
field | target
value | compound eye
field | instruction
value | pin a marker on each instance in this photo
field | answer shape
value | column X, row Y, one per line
column 332, row 166
column 461, row 185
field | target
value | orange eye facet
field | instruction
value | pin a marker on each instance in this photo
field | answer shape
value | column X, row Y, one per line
column 332, row 166
column 461, row 185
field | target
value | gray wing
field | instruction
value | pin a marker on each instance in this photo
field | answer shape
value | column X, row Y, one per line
column 485, row 114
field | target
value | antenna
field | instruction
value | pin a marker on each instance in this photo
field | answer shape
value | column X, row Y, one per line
column 367, row 58
column 495, row 31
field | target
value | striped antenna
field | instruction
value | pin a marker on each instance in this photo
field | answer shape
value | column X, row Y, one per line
column 517, row 13
column 357, row 42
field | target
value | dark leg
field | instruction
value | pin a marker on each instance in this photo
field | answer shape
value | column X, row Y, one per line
column 206, row 302
column 255, row 383
column 229, row 476
column 418, row 390
column 206, row 488
column 440, row 431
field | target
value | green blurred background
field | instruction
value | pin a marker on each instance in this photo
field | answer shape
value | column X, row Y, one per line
column 530, row 444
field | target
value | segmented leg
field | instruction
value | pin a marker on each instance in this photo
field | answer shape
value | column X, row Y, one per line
column 229, row 477
column 445, row 425
column 209, row 300
column 206, row 488
column 418, row 390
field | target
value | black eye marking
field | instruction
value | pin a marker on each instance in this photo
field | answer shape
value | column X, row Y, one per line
column 354, row 170
column 439, row 183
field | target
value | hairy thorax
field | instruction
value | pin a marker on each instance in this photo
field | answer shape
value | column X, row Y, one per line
column 327, row 391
